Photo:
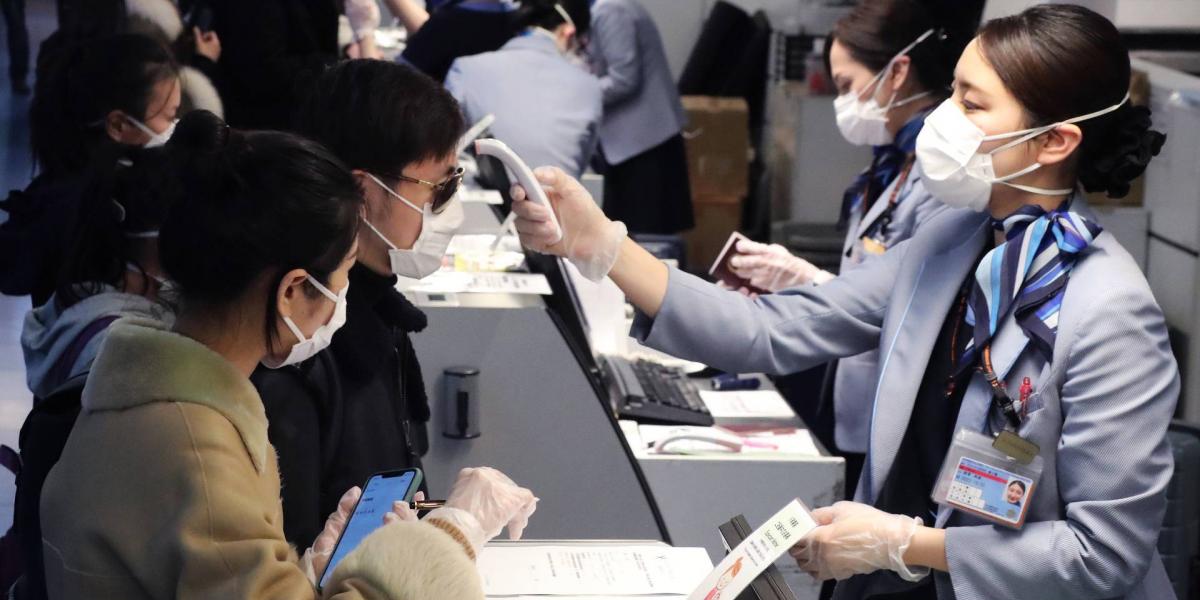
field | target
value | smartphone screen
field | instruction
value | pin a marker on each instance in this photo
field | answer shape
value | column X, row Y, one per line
column 381, row 490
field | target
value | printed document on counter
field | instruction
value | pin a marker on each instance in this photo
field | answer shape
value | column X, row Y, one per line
column 591, row 570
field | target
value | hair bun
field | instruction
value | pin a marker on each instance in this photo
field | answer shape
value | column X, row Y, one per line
column 1125, row 154
column 199, row 133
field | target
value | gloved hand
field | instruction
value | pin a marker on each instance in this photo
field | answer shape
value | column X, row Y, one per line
column 363, row 16
column 482, row 502
column 316, row 557
column 854, row 539
column 590, row 240
column 773, row 268
column 403, row 511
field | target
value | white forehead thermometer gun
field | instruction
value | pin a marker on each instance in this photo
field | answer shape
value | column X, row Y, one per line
column 533, row 189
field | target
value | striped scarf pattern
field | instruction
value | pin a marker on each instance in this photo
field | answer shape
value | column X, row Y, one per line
column 1027, row 275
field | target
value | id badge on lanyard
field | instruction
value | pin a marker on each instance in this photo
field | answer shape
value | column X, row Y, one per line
column 993, row 478
column 981, row 480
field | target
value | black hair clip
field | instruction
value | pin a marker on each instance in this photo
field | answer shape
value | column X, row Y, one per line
column 118, row 210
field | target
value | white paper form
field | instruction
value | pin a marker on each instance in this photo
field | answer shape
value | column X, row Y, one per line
column 587, row 570
column 450, row 282
column 748, row 407
column 756, row 553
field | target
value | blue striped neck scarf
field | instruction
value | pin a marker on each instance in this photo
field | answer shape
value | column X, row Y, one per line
column 1026, row 275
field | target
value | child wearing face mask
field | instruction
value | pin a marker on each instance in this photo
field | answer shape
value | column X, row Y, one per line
column 168, row 486
column 96, row 98
column 1024, row 334
column 360, row 406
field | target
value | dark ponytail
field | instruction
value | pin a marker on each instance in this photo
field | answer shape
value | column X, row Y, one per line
column 875, row 31
column 85, row 82
column 120, row 206
column 253, row 203
column 1062, row 61
column 541, row 13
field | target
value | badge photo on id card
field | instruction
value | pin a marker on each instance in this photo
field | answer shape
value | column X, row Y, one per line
column 978, row 479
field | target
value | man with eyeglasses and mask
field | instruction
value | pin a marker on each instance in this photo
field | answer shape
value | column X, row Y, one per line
column 360, row 406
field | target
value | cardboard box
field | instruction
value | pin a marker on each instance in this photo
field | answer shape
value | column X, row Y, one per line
column 717, row 138
column 716, row 218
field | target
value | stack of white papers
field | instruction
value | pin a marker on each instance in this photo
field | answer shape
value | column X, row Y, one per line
column 749, row 408
column 591, row 570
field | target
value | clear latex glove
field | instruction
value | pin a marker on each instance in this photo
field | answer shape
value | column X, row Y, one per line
column 773, row 268
column 493, row 500
column 590, row 240
column 363, row 16
column 316, row 557
column 854, row 539
column 403, row 511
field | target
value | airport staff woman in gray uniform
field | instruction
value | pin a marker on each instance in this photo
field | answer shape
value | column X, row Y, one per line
column 1030, row 290
column 892, row 63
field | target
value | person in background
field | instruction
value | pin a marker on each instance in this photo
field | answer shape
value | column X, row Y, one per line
column 644, row 163
column 170, row 449
column 18, row 44
column 559, row 129
column 96, row 97
column 360, row 407
column 111, row 271
column 455, row 29
column 197, row 52
column 1016, row 282
column 271, row 50
column 892, row 63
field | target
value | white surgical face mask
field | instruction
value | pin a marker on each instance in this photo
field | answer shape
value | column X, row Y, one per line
column 959, row 175
column 156, row 139
column 425, row 257
column 305, row 349
column 863, row 122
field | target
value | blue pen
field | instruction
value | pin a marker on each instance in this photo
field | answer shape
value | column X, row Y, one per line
column 725, row 383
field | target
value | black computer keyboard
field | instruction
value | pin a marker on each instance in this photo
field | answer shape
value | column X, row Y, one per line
column 648, row 392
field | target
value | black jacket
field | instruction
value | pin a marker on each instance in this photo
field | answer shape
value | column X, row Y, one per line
column 37, row 234
column 453, row 32
column 270, row 51
column 355, row 409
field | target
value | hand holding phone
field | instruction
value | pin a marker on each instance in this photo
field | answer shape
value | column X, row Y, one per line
column 367, row 515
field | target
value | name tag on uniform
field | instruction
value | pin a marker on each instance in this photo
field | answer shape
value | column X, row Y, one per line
column 872, row 246
column 980, row 480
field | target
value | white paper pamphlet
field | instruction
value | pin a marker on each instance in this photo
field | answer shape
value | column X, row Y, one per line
column 756, row 553
column 591, row 570
column 748, row 405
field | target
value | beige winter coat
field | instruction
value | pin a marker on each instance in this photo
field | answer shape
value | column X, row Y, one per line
column 168, row 488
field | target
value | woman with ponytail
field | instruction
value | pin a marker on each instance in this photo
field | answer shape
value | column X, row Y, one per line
column 892, row 62
column 1012, row 329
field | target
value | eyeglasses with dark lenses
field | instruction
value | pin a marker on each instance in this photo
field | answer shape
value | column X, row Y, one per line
column 442, row 192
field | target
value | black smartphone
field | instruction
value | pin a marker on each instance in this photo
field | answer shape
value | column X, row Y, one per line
column 380, row 491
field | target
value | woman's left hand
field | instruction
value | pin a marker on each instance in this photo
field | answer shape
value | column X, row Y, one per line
column 855, row 539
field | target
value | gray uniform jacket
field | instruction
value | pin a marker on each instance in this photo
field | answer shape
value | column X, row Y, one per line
column 547, row 109
column 854, row 381
column 641, row 102
column 1099, row 411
